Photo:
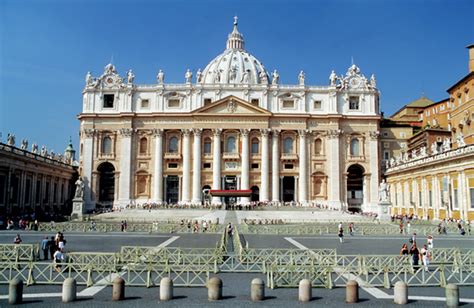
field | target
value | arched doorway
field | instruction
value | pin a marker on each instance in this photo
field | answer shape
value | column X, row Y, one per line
column 355, row 184
column 288, row 188
column 255, row 193
column 106, row 183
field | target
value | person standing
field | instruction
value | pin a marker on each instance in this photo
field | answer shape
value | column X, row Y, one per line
column 58, row 257
column 425, row 257
column 341, row 233
column 17, row 239
column 415, row 254
column 52, row 247
column 404, row 251
column 429, row 241
column 45, row 247
column 351, row 228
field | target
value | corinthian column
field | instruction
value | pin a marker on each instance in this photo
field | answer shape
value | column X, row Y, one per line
column 197, row 166
column 275, row 166
column 244, row 184
column 303, row 170
column 87, row 154
column 265, row 166
column 334, row 174
column 158, row 170
column 125, row 164
column 216, row 164
column 186, row 166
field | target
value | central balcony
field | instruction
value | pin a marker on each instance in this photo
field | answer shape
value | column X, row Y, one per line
column 230, row 155
column 289, row 156
column 172, row 156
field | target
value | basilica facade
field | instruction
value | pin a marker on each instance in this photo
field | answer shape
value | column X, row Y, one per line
column 231, row 127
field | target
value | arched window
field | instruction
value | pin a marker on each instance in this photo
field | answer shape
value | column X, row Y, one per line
column 207, row 146
column 255, row 146
column 318, row 147
column 317, row 187
column 143, row 145
column 173, row 145
column 231, row 148
column 288, row 145
column 355, row 149
column 107, row 145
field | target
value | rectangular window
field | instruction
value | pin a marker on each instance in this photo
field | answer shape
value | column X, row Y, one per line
column 471, row 194
column 317, row 105
column 145, row 103
column 254, row 166
column 386, row 155
column 386, row 145
column 173, row 103
column 207, row 101
column 288, row 166
column 206, row 165
column 353, row 102
column 172, row 166
column 108, row 101
column 254, row 101
column 288, row 104
column 385, row 134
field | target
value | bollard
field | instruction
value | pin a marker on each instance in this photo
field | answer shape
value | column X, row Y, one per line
column 166, row 289
column 214, row 289
column 257, row 290
column 352, row 292
column 69, row 290
column 400, row 295
column 304, row 291
column 452, row 295
column 15, row 292
column 118, row 289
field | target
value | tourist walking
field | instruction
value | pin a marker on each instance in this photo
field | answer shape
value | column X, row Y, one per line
column 230, row 230
column 401, row 227
column 404, row 251
column 58, row 257
column 341, row 234
column 415, row 254
column 425, row 257
column 17, row 239
column 52, row 247
column 45, row 247
column 429, row 241
column 351, row 228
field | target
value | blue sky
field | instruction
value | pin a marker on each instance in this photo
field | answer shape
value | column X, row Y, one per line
column 46, row 48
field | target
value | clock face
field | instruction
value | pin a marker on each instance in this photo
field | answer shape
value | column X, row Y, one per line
column 110, row 80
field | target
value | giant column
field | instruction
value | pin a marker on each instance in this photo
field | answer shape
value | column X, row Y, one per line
column 303, row 170
column 158, row 170
column 374, row 163
column 186, row 196
column 197, row 166
column 275, row 166
column 334, row 169
column 87, row 157
column 265, row 167
column 245, row 163
column 125, row 164
column 216, row 164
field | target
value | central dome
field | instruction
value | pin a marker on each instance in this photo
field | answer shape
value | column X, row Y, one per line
column 235, row 65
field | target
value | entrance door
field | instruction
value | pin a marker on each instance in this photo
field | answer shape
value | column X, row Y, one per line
column 172, row 189
column 355, row 196
column 288, row 188
column 255, row 194
column 106, row 183
column 230, row 183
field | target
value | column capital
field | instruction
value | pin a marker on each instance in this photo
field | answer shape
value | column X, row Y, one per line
column 244, row 132
column 276, row 132
column 126, row 132
column 157, row 132
column 334, row 133
column 197, row 132
column 186, row 132
column 89, row 132
column 265, row 132
column 217, row 132
column 374, row 135
column 302, row 133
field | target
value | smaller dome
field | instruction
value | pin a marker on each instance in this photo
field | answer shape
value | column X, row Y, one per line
column 235, row 65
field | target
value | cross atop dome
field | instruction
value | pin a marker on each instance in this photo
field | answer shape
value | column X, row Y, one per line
column 235, row 40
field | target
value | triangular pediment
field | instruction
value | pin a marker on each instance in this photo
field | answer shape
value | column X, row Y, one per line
column 231, row 105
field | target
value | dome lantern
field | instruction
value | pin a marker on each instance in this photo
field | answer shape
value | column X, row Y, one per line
column 235, row 40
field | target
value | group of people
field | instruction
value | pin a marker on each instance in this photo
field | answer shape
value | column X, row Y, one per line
column 54, row 248
column 22, row 224
column 416, row 254
column 196, row 226
column 340, row 232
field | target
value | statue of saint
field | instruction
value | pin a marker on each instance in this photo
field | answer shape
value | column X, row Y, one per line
column 301, row 77
column 130, row 77
column 11, row 140
column 434, row 148
column 245, row 77
column 333, row 78
column 383, row 191
column 446, row 144
column 188, row 76
column 198, row 76
column 44, row 152
column 275, row 77
column 460, row 140
column 79, row 189
column 160, row 78
column 263, row 76
column 24, row 144
column 373, row 82
column 423, row 151
column 34, row 148
column 233, row 73
column 217, row 76
column 89, row 79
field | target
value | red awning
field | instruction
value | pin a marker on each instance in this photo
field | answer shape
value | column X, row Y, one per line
column 231, row 193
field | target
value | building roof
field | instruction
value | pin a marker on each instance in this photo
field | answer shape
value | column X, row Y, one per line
column 422, row 102
column 465, row 78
